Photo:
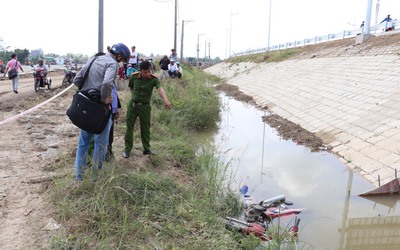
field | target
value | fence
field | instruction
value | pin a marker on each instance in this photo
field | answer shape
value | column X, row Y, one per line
column 319, row 39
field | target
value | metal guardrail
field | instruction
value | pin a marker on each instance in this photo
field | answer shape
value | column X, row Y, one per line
column 319, row 39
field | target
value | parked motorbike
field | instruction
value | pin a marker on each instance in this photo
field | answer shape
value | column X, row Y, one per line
column 41, row 80
column 69, row 75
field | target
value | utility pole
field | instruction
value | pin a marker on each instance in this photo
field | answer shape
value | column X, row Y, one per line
column 205, row 52
column 183, row 27
column 209, row 57
column 269, row 23
column 230, row 34
column 368, row 18
column 175, row 22
column 198, row 49
column 377, row 12
column 101, row 21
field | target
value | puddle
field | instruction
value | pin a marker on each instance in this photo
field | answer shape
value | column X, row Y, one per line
column 317, row 182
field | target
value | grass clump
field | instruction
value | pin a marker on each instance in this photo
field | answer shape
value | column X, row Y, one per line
column 267, row 57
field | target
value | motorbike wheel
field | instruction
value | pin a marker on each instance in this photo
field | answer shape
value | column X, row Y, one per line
column 49, row 84
column 37, row 85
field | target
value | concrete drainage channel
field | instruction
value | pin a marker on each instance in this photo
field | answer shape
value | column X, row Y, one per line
column 334, row 215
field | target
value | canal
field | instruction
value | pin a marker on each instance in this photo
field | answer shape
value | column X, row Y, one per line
column 334, row 216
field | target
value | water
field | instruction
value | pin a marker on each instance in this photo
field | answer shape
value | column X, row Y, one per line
column 317, row 182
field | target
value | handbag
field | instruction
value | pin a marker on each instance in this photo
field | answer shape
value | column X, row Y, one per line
column 13, row 72
column 86, row 111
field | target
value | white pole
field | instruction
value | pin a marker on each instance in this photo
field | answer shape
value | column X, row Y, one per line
column 230, row 35
column 377, row 12
column 269, row 23
column 368, row 18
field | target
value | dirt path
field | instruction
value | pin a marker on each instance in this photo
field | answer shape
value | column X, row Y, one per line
column 29, row 147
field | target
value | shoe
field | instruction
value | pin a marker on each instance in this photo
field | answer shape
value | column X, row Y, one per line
column 16, row 92
column 109, row 156
column 126, row 154
column 148, row 152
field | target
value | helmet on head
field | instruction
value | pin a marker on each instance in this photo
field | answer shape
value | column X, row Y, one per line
column 122, row 50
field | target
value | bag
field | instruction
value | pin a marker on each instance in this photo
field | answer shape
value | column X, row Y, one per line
column 12, row 74
column 87, row 114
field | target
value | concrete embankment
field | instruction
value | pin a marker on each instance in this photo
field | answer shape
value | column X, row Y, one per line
column 347, row 94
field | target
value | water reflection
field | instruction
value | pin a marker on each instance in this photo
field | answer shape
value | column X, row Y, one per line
column 317, row 182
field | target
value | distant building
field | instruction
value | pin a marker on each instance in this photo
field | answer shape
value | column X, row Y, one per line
column 37, row 53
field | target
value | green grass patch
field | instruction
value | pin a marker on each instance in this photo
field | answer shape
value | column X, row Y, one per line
column 266, row 57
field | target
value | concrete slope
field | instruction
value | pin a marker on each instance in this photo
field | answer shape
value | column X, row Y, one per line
column 348, row 97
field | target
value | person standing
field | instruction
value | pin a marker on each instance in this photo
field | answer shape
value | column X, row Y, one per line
column 14, row 64
column 142, row 84
column 133, row 59
column 174, row 55
column 164, row 62
column 101, row 77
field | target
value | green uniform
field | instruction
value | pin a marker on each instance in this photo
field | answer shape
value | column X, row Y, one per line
column 139, row 106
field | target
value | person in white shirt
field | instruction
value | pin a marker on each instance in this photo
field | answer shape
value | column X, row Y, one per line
column 172, row 68
column 134, row 57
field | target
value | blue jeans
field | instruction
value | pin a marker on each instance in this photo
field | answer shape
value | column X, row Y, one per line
column 15, row 82
column 100, row 148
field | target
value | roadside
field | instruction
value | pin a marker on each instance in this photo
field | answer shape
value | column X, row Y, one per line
column 29, row 150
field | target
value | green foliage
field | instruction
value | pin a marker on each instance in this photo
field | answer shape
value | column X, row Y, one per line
column 269, row 56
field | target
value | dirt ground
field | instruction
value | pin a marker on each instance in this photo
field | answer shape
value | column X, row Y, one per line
column 29, row 148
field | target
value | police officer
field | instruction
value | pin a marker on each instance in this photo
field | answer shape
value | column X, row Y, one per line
column 142, row 84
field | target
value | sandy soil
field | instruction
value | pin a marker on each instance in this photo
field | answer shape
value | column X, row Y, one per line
column 29, row 147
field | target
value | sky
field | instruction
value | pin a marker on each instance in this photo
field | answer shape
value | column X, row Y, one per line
column 218, row 28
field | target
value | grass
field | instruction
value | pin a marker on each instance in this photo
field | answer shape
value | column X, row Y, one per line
column 267, row 57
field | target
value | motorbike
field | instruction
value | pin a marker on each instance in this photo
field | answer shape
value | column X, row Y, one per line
column 41, row 80
column 256, row 218
column 69, row 75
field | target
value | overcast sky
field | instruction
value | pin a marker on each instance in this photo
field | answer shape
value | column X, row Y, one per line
column 72, row 26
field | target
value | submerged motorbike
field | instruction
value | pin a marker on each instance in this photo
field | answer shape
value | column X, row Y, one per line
column 69, row 75
column 41, row 80
column 256, row 218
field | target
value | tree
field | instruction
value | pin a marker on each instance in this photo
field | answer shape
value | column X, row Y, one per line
column 22, row 54
column 3, row 47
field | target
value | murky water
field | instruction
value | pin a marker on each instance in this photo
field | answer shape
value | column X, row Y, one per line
column 317, row 182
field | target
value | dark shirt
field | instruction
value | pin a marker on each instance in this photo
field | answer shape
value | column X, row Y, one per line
column 164, row 64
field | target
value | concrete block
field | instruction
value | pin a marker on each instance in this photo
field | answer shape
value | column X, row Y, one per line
column 362, row 38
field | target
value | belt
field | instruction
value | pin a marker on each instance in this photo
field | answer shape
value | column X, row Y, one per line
column 141, row 103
